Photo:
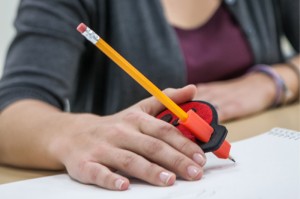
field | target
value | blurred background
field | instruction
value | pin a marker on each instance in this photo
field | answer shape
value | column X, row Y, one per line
column 8, row 10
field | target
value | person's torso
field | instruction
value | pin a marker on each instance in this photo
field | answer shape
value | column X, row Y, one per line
column 140, row 32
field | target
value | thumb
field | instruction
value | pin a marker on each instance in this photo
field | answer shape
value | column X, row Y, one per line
column 152, row 106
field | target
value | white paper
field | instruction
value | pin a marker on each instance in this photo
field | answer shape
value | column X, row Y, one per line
column 268, row 167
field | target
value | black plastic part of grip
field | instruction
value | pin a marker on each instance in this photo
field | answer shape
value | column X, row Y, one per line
column 219, row 134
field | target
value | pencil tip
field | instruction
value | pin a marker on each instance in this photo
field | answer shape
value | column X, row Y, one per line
column 231, row 158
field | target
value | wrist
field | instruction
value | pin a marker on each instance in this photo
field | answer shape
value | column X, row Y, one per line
column 264, row 87
column 70, row 128
column 282, row 93
column 27, row 143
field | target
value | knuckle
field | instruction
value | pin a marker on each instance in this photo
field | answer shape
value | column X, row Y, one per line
column 107, row 179
column 167, row 127
column 149, row 172
column 93, row 174
column 168, row 90
column 151, row 167
column 128, row 161
column 185, row 145
column 178, row 161
column 117, row 131
column 134, row 116
column 82, row 166
column 82, row 170
column 166, row 130
column 100, row 150
column 153, row 147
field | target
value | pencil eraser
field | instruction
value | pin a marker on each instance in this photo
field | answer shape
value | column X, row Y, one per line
column 81, row 28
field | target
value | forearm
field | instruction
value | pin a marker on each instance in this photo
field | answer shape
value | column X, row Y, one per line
column 27, row 130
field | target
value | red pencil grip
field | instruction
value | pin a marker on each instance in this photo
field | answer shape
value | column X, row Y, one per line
column 201, row 127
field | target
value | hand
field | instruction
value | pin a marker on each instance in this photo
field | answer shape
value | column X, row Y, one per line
column 238, row 97
column 133, row 142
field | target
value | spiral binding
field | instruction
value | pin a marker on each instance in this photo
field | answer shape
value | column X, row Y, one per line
column 285, row 133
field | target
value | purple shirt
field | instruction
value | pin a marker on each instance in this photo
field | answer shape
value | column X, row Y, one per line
column 215, row 51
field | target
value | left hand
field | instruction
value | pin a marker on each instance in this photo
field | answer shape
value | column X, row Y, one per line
column 238, row 97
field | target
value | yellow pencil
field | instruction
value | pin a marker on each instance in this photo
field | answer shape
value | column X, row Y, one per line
column 191, row 120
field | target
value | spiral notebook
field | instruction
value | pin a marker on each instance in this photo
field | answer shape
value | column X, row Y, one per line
column 268, row 166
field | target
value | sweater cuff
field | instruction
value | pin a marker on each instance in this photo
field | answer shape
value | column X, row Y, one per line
column 11, row 95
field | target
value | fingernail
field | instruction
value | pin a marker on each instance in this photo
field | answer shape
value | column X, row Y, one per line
column 165, row 177
column 193, row 171
column 198, row 158
column 119, row 183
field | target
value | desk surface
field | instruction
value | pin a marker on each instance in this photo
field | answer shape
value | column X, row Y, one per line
column 285, row 117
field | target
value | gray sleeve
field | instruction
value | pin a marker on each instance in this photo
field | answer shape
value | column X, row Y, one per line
column 290, row 21
column 43, row 59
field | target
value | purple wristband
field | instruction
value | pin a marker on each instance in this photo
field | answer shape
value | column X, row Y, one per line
column 279, row 83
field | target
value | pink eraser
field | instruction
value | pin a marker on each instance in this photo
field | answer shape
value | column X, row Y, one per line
column 81, row 27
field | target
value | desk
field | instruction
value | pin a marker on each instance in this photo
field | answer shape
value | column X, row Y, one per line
column 285, row 117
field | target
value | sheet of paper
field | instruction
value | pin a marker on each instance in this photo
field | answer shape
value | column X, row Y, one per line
column 268, row 166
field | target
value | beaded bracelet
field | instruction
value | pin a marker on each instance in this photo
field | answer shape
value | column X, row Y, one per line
column 282, row 91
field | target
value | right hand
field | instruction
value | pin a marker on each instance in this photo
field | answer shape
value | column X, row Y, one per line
column 132, row 142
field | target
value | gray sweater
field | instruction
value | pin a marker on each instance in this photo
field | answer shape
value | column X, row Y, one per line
column 50, row 61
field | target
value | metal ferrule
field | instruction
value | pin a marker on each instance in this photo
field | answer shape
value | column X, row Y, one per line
column 91, row 35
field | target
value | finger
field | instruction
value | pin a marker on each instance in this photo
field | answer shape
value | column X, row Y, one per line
column 152, row 106
column 161, row 152
column 171, row 135
column 164, row 131
column 166, row 156
column 97, row 174
column 139, row 167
